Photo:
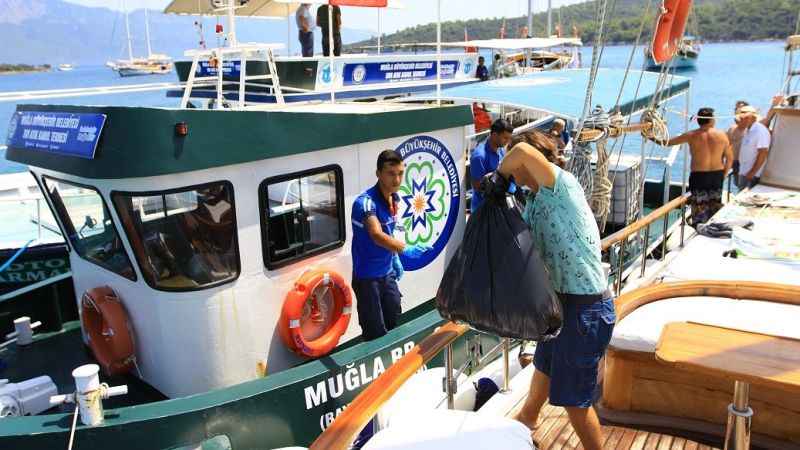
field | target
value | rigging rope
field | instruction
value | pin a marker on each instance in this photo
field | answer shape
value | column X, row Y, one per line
column 600, row 200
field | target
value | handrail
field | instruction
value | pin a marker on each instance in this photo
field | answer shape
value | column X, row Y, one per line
column 737, row 290
column 634, row 228
column 340, row 434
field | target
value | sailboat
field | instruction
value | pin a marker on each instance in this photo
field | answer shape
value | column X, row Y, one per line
column 153, row 64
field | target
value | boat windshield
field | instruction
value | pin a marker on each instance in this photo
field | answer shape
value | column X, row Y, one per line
column 88, row 225
column 183, row 239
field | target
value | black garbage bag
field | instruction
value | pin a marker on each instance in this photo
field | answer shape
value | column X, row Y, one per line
column 497, row 282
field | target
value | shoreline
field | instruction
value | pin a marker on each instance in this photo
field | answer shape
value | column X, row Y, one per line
column 13, row 69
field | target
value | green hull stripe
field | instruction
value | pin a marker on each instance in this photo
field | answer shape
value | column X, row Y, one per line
column 141, row 142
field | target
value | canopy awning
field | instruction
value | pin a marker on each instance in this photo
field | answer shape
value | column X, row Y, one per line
column 514, row 44
column 562, row 92
column 252, row 8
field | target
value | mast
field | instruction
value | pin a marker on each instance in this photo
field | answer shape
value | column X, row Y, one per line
column 128, row 31
column 549, row 18
column 147, row 32
column 530, row 18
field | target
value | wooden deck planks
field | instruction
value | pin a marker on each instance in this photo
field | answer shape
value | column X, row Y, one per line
column 556, row 433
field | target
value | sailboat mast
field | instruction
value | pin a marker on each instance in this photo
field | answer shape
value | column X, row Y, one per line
column 549, row 18
column 530, row 18
column 147, row 32
column 128, row 31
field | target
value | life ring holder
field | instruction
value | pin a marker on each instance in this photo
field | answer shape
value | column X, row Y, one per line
column 291, row 320
column 108, row 329
column 669, row 29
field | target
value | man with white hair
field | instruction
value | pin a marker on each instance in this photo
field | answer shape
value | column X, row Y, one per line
column 754, row 148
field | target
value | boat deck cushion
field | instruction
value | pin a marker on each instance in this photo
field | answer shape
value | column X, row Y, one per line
column 641, row 329
column 446, row 429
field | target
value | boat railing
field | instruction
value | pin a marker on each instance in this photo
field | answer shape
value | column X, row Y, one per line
column 340, row 434
column 620, row 238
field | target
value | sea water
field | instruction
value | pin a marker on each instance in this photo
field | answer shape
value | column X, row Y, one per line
column 725, row 73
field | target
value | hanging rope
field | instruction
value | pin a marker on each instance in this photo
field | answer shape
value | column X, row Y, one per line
column 600, row 200
column 580, row 166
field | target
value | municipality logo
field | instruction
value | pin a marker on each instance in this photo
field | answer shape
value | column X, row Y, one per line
column 12, row 128
column 467, row 67
column 326, row 74
column 429, row 197
column 359, row 74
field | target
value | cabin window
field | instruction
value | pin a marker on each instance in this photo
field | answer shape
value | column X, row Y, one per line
column 88, row 225
column 183, row 239
column 302, row 214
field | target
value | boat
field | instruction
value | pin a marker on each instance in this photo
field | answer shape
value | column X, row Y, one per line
column 692, row 363
column 152, row 64
column 65, row 67
column 685, row 59
column 538, row 52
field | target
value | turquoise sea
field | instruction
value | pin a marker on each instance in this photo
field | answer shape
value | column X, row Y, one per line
column 725, row 73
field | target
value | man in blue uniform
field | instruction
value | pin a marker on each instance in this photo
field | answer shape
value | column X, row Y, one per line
column 486, row 157
column 376, row 252
column 482, row 73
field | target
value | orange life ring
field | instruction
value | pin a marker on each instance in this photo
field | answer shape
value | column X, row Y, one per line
column 669, row 29
column 309, row 325
column 109, row 331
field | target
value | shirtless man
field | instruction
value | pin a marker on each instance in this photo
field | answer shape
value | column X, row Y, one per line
column 712, row 158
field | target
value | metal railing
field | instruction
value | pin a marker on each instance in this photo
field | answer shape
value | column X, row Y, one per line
column 621, row 237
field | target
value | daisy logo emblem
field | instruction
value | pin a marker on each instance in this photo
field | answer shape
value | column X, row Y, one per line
column 430, row 197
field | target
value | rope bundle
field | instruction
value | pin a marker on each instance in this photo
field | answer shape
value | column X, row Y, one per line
column 600, row 200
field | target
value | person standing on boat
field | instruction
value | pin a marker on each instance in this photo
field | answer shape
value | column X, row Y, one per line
column 735, row 133
column 305, row 29
column 712, row 158
column 322, row 22
column 482, row 73
column 376, row 252
column 755, row 148
column 486, row 157
column 566, row 235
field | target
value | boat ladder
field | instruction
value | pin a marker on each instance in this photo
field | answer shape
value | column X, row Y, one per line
column 239, row 54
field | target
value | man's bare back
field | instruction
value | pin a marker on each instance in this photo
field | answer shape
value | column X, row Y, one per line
column 709, row 147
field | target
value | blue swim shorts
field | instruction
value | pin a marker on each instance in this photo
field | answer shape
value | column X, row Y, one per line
column 571, row 359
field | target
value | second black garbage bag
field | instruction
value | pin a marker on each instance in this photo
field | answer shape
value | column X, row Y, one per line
column 497, row 282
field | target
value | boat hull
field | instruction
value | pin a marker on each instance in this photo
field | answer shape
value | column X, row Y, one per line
column 288, row 408
column 679, row 62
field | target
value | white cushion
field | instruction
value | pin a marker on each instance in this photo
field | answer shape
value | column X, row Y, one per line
column 641, row 329
column 452, row 429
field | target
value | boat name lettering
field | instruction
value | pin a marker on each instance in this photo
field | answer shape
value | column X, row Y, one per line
column 353, row 377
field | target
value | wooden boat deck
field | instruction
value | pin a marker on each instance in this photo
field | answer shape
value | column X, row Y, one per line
column 555, row 433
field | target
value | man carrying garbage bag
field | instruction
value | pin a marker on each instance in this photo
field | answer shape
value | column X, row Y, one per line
column 376, row 251
column 567, row 238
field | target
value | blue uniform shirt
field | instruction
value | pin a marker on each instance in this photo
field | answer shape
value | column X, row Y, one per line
column 482, row 161
column 369, row 259
column 482, row 73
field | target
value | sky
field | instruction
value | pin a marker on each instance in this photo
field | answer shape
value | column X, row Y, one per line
column 416, row 12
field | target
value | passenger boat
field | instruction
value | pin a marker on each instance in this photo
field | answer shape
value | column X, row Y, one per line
column 693, row 362
column 685, row 59
column 152, row 64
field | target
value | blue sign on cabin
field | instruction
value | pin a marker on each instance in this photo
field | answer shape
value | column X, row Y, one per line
column 70, row 134
column 230, row 69
column 397, row 71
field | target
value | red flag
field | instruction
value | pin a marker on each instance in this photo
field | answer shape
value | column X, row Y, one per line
column 370, row 3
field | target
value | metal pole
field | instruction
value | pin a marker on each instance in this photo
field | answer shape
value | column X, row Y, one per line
column 740, row 416
column 289, row 31
column 128, row 32
column 549, row 18
column 439, row 53
column 330, row 51
column 379, row 31
column 448, row 376
column 530, row 33
column 506, row 352
column 39, row 217
column 645, row 247
column 685, row 173
column 231, row 25
column 147, row 32
column 620, row 262
column 664, row 237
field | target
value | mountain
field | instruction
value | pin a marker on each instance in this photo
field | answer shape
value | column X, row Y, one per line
column 715, row 20
column 54, row 32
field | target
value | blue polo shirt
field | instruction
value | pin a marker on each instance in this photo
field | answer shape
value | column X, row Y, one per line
column 482, row 161
column 369, row 259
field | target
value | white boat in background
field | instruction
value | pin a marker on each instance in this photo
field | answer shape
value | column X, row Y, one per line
column 153, row 64
column 65, row 67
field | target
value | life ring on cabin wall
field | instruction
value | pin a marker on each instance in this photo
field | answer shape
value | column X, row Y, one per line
column 316, row 313
column 108, row 329
column 669, row 29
